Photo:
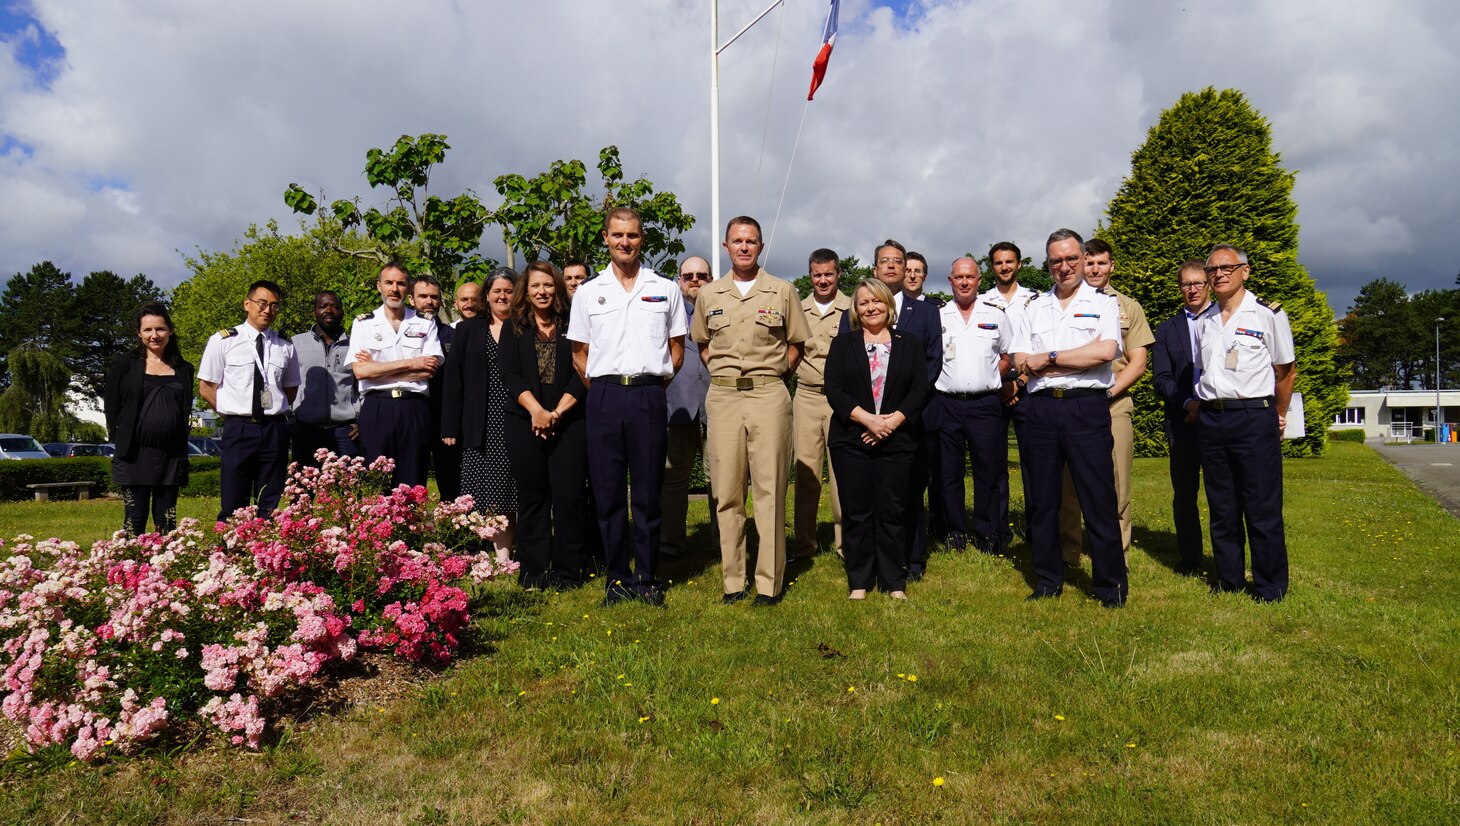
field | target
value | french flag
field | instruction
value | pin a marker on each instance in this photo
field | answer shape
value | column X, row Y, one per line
column 828, row 40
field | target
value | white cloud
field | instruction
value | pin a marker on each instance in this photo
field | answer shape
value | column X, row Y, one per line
column 951, row 127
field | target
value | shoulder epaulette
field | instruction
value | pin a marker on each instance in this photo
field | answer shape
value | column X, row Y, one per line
column 1271, row 305
column 365, row 316
column 227, row 332
column 1031, row 297
column 1101, row 291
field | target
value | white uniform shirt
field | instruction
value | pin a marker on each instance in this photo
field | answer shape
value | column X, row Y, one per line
column 416, row 336
column 971, row 348
column 1237, row 357
column 1045, row 326
column 627, row 331
column 229, row 360
column 1022, row 294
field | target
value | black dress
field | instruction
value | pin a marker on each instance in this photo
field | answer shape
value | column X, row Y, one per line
column 486, row 473
column 161, row 458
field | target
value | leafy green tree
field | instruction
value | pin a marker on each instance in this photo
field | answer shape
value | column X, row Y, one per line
column 1035, row 278
column 428, row 233
column 35, row 401
column 550, row 216
column 302, row 265
column 1205, row 175
column 1374, row 343
column 36, row 308
column 103, row 307
column 1424, row 308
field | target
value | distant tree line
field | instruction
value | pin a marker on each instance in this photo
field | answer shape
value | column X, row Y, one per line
column 1387, row 340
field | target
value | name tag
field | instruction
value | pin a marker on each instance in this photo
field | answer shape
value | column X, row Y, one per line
column 1243, row 331
column 713, row 313
column 654, row 299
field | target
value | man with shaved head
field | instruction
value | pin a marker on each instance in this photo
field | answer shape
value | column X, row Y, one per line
column 468, row 300
column 686, row 397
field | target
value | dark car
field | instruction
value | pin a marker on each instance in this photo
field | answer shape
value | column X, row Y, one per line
column 206, row 444
column 67, row 450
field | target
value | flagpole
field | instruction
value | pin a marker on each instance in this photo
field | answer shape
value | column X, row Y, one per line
column 714, row 135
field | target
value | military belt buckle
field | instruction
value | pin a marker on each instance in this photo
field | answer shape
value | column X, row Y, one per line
column 1057, row 392
column 397, row 393
column 745, row 383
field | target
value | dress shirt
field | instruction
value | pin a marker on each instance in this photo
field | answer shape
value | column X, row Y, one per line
column 1257, row 336
column 1022, row 294
column 229, row 361
column 971, row 348
column 811, row 372
column 1046, row 327
column 416, row 336
column 627, row 330
column 328, row 393
column 1191, row 320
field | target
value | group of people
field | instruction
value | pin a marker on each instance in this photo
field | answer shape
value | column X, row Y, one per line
column 576, row 403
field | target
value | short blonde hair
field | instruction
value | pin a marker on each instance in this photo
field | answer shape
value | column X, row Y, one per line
column 879, row 292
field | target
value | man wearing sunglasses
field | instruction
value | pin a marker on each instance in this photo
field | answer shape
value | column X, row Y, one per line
column 249, row 374
column 686, row 397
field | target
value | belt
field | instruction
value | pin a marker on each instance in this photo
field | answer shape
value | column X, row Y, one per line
column 967, row 396
column 1069, row 393
column 637, row 380
column 819, row 389
column 743, row 382
column 279, row 417
column 396, row 393
column 1236, row 404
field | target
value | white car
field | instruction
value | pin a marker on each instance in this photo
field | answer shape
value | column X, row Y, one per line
column 19, row 446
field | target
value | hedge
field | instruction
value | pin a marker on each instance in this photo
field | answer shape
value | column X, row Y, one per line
column 1346, row 436
column 15, row 475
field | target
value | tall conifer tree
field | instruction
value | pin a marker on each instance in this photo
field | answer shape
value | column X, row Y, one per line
column 1207, row 175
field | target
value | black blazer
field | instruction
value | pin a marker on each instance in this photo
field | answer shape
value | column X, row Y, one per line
column 122, row 399
column 469, row 377
column 519, row 373
column 922, row 319
column 849, row 386
column 1174, row 375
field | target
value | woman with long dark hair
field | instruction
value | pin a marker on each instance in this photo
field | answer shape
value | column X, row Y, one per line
column 474, row 403
column 546, row 439
column 149, row 401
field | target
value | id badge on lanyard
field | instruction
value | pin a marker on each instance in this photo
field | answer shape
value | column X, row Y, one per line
column 266, row 396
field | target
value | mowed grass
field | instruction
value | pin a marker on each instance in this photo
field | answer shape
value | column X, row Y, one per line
column 1338, row 705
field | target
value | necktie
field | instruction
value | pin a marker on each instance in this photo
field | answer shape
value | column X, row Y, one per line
column 258, row 378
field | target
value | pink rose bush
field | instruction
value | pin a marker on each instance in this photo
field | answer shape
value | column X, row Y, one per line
column 103, row 650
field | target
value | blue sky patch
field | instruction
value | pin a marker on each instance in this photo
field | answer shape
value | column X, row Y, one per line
column 35, row 48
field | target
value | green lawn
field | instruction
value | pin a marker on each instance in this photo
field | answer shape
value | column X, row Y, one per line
column 1338, row 705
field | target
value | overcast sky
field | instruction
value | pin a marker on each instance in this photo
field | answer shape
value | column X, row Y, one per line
column 132, row 130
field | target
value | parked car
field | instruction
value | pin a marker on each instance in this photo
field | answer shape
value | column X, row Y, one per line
column 67, row 450
column 20, row 446
column 195, row 451
column 108, row 450
column 207, row 444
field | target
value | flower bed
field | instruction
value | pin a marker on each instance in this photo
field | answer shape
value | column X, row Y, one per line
column 107, row 648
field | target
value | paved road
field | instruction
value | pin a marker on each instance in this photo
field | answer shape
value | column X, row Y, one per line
column 1434, row 468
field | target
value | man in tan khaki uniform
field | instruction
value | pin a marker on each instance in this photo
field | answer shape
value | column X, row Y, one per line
column 1136, row 339
column 750, row 328
column 824, row 309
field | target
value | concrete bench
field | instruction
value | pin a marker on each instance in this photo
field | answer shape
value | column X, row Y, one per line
column 44, row 489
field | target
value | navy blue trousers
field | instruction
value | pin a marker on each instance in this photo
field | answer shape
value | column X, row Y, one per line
column 1184, row 448
column 253, row 459
column 308, row 438
column 975, row 428
column 1073, row 433
column 1013, row 415
column 628, row 437
column 1241, row 457
column 400, row 429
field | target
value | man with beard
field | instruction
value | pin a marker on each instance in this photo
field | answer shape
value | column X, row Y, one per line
column 396, row 354
column 1005, row 260
column 445, row 459
column 328, row 404
column 468, row 300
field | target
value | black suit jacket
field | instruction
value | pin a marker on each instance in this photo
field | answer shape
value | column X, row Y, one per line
column 468, row 380
column 849, row 386
column 122, row 400
column 1175, row 374
column 519, row 373
column 922, row 320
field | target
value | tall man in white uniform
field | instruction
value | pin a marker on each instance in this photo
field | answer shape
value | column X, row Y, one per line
column 1247, row 360
column 396, row 354
column 1005, row 261
column 1065, row 342
column 627, row 329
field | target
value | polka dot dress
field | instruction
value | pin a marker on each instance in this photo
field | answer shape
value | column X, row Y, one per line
column 485, row 473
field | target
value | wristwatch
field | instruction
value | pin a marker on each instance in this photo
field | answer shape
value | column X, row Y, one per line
column 1054, row 356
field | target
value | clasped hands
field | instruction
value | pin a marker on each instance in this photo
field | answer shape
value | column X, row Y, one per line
column 877, row 427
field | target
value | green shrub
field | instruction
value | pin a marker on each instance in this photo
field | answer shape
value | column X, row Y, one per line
column 1346, row 436
column 202, row 482
column 15, row 475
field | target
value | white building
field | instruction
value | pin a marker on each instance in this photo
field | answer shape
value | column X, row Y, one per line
column 1397, row 414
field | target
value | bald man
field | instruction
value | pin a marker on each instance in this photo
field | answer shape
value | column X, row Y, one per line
column 468, row 300
column 686, row 399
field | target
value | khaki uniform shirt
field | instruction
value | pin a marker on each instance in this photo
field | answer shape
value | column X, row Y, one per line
column 1135, row 331
column 811, row 372
column 748, row 335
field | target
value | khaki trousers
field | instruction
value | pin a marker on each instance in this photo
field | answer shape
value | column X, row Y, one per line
column 812, row 423
column 1124, row 455
column 750, row 432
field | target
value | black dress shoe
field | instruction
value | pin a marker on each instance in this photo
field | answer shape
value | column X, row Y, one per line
column 1039, row 595
column 654, row 597
column 958, row 542
column 1113, row 602
column 731, row 599
column 763, row 600
column 615, row 596
column 1188, row 569
column 915, row 574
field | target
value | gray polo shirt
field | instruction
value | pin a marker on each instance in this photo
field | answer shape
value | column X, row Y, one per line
column 327, row 394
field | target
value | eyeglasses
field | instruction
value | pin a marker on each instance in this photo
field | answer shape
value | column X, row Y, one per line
column 694, row 276
column 1196, row 285
column 1222, row 269
column 892, row 260
column 1067, row 261
column 265, row 306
